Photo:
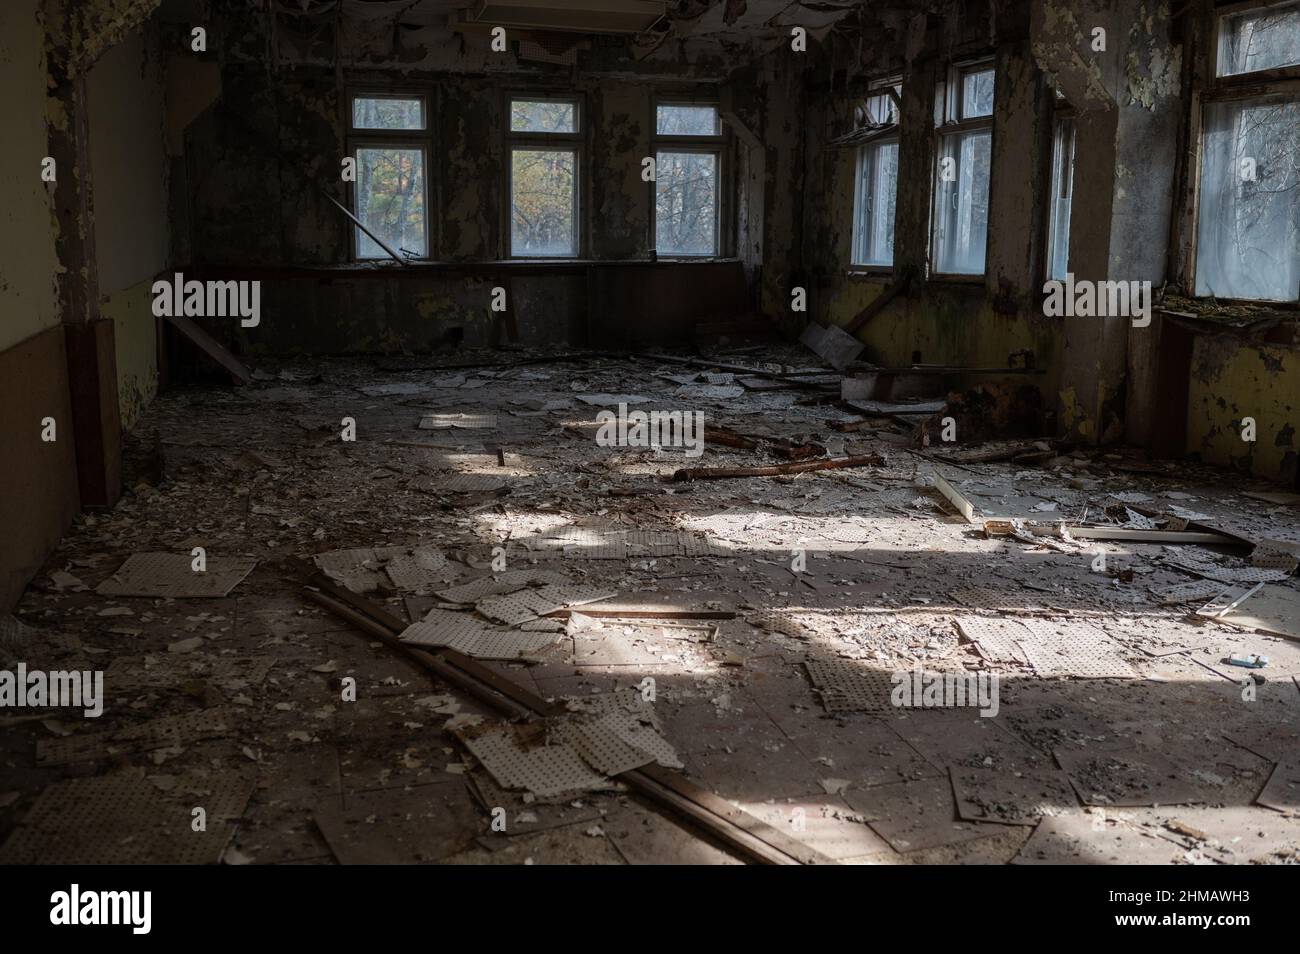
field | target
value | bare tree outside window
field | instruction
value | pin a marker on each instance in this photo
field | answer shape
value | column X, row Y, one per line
column 388, row 143
column 1248, row 225
column 544, row 178
column 686, row 189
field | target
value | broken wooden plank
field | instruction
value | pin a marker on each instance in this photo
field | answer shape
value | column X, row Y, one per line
column 777, row 470
column 753, row 838
column 210, row 346
column 964, row 506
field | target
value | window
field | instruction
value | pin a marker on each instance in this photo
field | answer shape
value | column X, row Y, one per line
column 545, row 140
column 1062, row 184
column 961, row 197
column 876, row 186
column 1248, row 226
column 1259, row 38
column 688, row 164
column 388, row 140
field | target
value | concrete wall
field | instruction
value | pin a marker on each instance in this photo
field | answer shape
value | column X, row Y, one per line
column 129, row 168
column 27, row 257
column 1232, row 380
column 1131, row 104
column 38, row 492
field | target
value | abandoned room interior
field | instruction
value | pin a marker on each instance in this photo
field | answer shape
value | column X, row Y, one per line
column 626, row 432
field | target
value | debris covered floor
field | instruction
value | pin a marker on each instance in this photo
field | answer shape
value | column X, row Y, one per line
column 1121, row 734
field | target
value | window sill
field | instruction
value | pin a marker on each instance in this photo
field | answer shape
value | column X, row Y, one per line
column 945, row 278
column 870, row 272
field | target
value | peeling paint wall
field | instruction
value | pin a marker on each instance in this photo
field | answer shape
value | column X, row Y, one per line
column 1232, row 381
column 28, row 263
column 129, row 170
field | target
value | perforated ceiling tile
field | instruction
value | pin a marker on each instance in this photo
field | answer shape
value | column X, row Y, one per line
column 170, row 730
column 125, row 819
column 1273, row 558
column 172, row 575
column 507, row 644
column 570, row 594
column 437, row 422
column 1196, row 590
column 601, row 747
column 542, row 769
column 443, row 628
column 508, row 582
column 1073, row 649
column 353, row 569
column 417, row 571
column 851, row 687
column 515, row 608
column 777, row 623
column 641, row 730
column 996, row 639
column 228, row 673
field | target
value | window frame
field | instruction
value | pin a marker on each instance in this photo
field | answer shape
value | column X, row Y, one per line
column 881, row 87
column 1062, row 112
column 360, row 138
column 1209, row 88
column 706, row 145
column 949, row 121
column 575, row 142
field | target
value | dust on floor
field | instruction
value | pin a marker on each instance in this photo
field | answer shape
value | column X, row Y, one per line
column 1113, row 730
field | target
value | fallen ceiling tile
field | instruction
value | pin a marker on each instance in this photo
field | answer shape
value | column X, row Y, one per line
column 851, row 686
column 915, row 815
column 172, row 575
column 156, row 734
column 517, row 758
column 993, row 795
column 996, row 639
column 1073, row 649
column 125, row 819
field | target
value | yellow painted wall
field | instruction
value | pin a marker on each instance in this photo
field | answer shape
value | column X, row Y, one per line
column 137, row 355
column 1231, row 381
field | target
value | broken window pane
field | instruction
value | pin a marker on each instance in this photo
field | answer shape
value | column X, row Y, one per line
column 387, row 113
column 1058, row 225
column 686, row 121
column 543, row 116
column 962, row 203
column 1248, row 236
column 877, row 188
column 1266, row 38
column 686, row 203
column 977, row 94
column 390, row 200
column 881, row 108
column 543, row 203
